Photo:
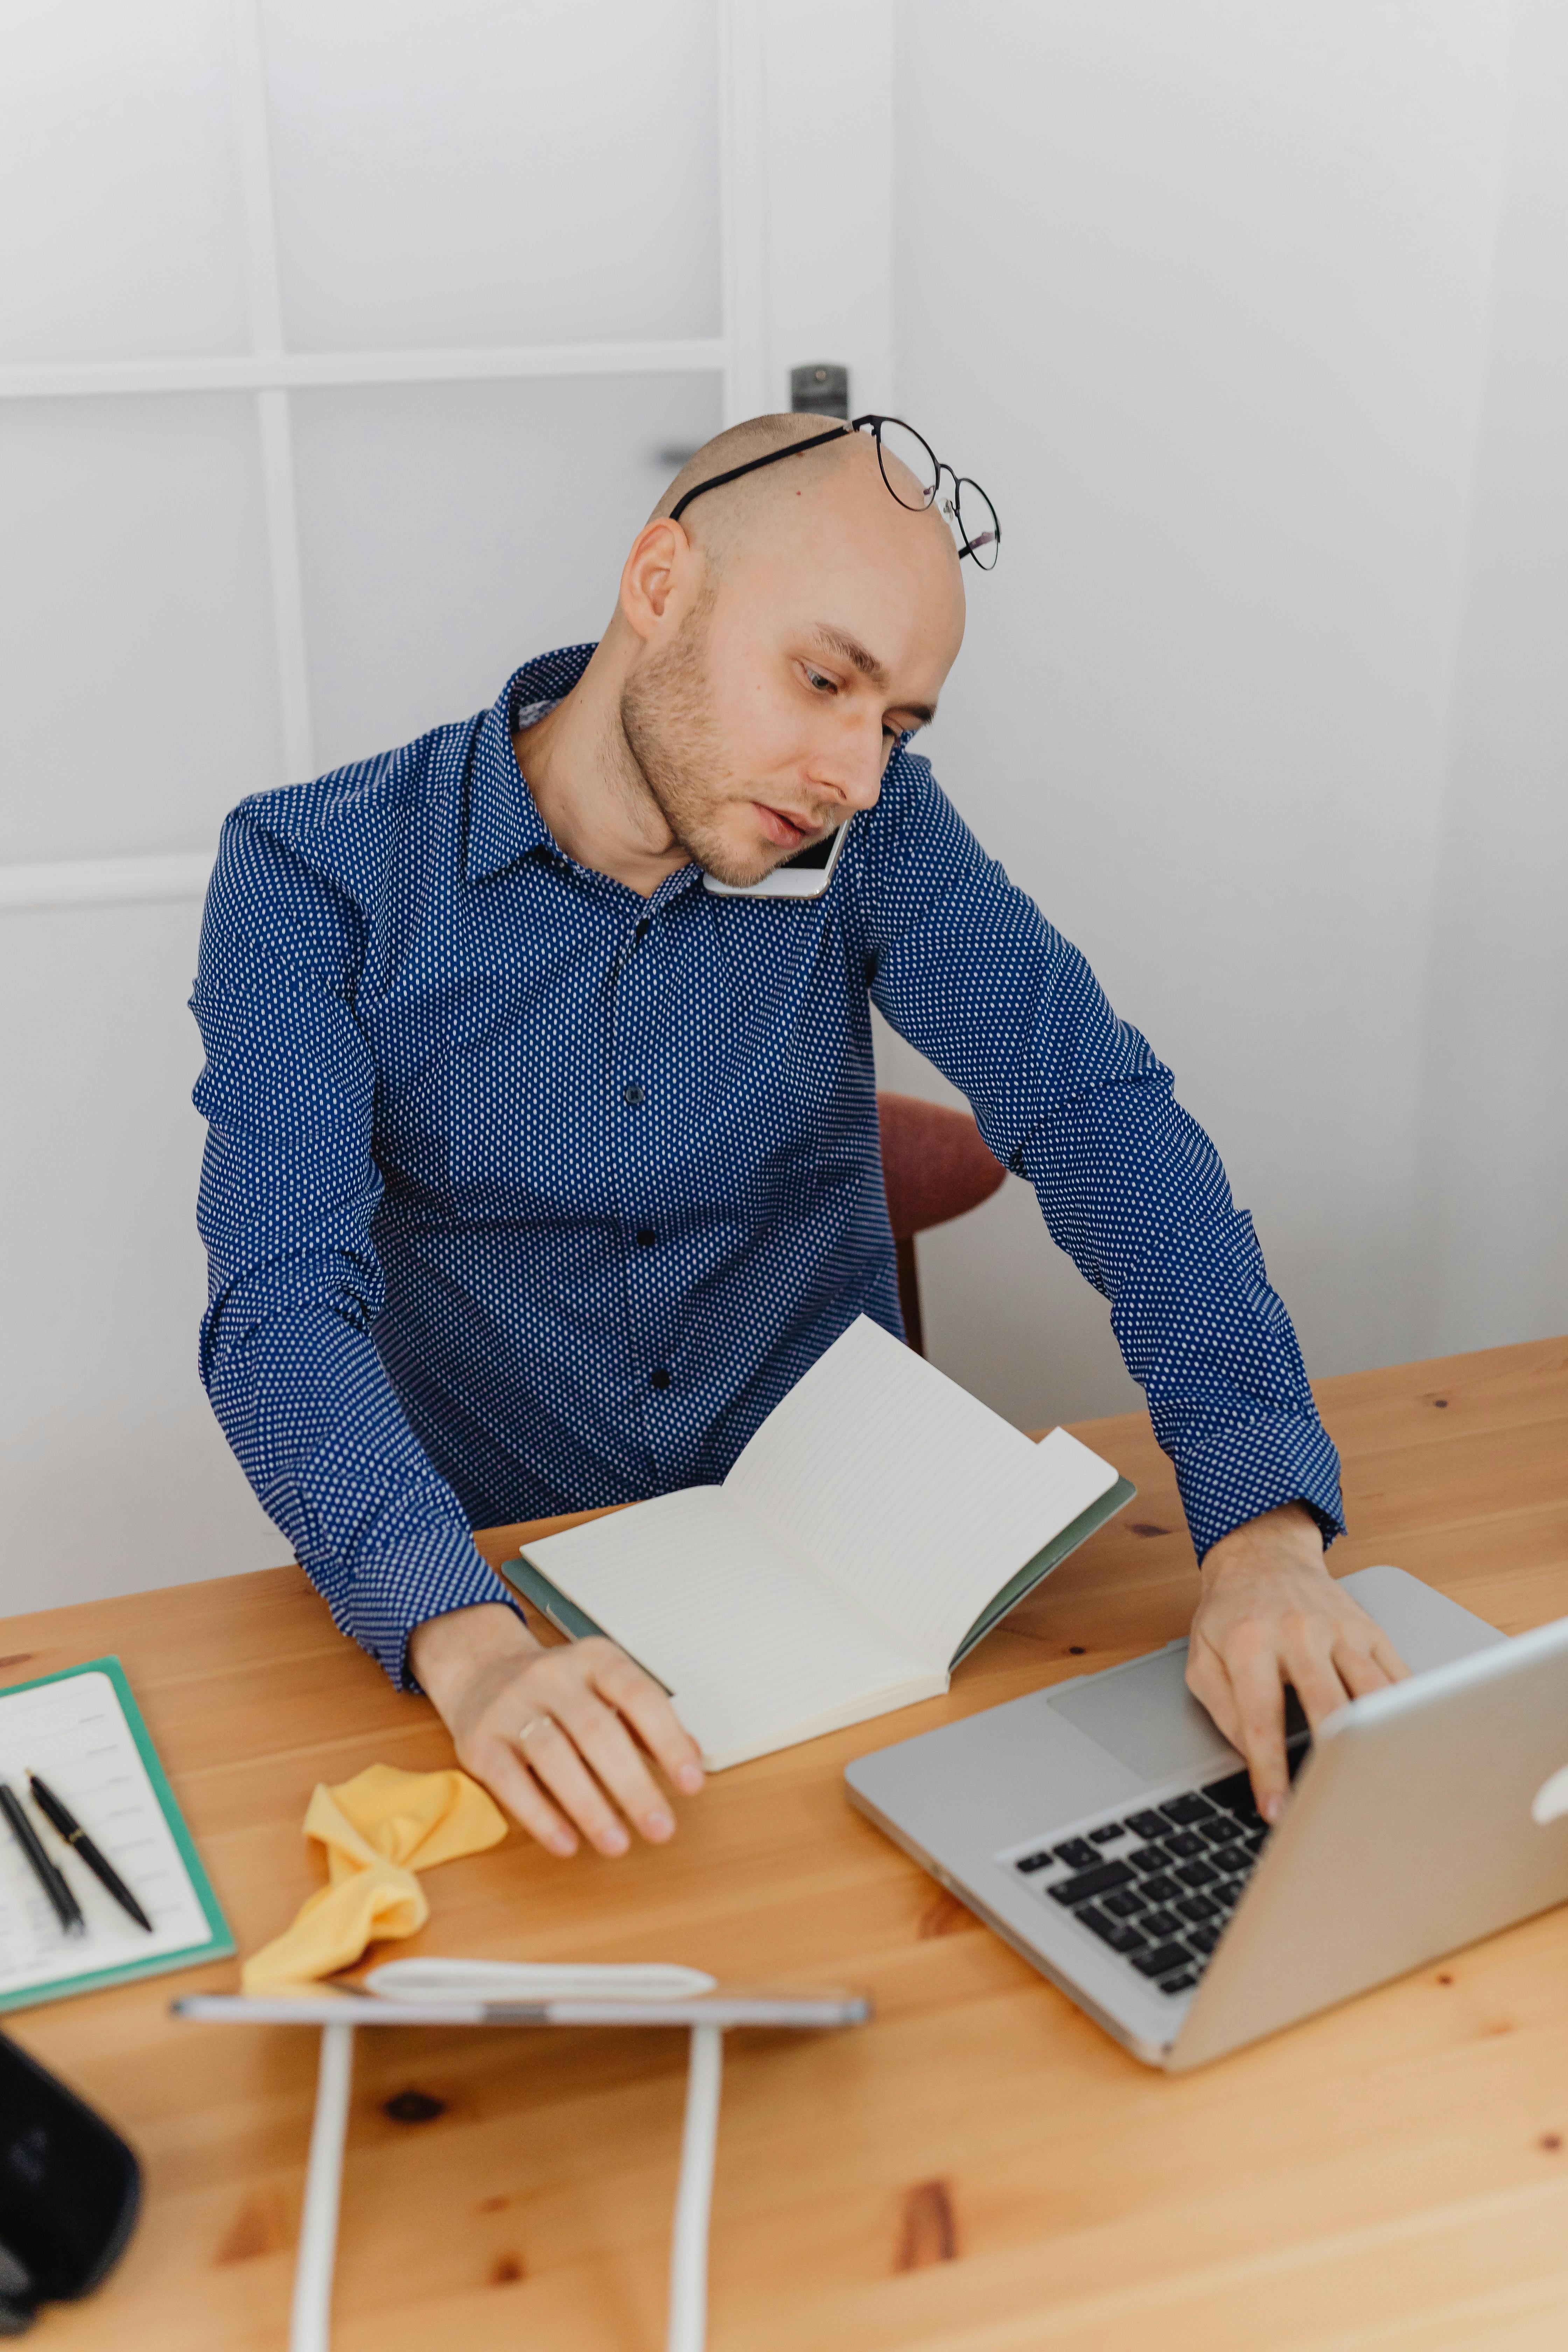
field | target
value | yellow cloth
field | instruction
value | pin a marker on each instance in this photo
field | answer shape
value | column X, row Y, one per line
column 378, row 1829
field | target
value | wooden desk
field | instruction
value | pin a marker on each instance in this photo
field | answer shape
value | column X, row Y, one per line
column 981, row 2169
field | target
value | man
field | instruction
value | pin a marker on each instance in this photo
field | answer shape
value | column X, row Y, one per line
column 537, row 1173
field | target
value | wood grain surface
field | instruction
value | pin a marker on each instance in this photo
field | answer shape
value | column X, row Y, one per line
column 981, row 2167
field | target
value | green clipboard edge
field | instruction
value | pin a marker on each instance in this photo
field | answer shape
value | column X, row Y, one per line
column 220, row 1944
column 578, row 1626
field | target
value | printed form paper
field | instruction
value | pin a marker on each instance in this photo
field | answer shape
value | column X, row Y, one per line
column 73, row 1734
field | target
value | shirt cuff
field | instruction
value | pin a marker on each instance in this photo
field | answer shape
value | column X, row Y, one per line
column 381, row 1603
column 1232, row 1475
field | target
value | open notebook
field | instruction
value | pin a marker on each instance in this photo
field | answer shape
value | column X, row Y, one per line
column 82, row 1733
column 880, row 1522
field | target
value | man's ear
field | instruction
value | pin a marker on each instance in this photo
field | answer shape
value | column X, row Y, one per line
column 658, row 574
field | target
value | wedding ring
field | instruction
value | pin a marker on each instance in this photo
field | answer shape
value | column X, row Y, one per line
column 535, row 1723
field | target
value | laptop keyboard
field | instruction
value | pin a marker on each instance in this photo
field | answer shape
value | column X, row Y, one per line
column 1159, row 1884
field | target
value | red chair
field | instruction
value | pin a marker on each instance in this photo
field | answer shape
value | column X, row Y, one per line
column 934, row 1167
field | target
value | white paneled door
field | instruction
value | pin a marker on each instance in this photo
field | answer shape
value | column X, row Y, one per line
column 345, row 344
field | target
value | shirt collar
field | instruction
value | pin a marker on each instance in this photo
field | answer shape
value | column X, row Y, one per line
column 503, row 823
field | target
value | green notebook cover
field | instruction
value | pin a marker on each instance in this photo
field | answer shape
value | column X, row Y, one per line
column 567, row 1617
column 563, row 1614
column 217, row 1945
column 1017, row 1588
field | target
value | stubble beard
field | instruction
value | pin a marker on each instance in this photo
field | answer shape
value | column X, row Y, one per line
column 667, row 719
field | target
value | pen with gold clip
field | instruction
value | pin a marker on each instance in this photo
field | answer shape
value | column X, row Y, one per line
column 74, row 1834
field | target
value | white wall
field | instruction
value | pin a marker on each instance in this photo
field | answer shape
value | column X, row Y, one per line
column 1266, row 700
column 113, row 1473
column 1494, row 1133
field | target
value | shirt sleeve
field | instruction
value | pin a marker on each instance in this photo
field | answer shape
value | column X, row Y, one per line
column 288, row 1189
column 965, row 966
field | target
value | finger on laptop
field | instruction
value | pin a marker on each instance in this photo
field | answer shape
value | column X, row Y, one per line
column 1258, row 1680
column 1362, row 1670
column 1327, row 1660
column 1310, row 1659
column 1360, row 1641
column 1239, row 1680
column 1242, row 1684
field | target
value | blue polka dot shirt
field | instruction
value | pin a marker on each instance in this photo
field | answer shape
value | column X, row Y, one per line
column 524, row 1193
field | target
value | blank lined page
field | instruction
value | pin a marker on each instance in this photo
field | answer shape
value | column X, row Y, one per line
column 74, row 1735
column 755, row 1648
column 916, row 1497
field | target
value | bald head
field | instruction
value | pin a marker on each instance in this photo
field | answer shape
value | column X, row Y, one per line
column 729, row 513
column 738, row 444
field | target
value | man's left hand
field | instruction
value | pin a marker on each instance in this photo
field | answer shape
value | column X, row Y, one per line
column 1271, row 1614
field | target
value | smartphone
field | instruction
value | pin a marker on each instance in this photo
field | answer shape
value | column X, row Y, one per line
column 806, row 875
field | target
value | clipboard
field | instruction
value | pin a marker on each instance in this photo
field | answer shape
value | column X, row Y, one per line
column 82, row 1731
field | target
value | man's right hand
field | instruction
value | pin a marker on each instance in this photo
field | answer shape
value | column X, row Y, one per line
column 547, row 1729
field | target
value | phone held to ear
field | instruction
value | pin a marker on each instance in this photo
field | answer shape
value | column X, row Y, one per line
column 806, row 875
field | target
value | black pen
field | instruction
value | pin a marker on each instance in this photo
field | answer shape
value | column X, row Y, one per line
column 67, row 1908
column 74, row 1834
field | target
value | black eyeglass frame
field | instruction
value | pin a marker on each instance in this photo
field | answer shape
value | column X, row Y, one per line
column 939, row 467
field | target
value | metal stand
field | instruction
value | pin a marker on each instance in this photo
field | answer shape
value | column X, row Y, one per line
column 694, row 2192
column 310, row 2320
column 338, row 2015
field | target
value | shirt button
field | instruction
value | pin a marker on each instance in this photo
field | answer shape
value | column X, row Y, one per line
column 632, row 1094
column 659, row 1378
column 646, row 1237
column 642, row 930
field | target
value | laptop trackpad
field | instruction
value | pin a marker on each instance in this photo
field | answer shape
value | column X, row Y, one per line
column 1145, row 1716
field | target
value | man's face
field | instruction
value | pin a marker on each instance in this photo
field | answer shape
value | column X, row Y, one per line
column 768, row 713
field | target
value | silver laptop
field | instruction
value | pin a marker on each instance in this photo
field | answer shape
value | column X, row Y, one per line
column 1105, row 1829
